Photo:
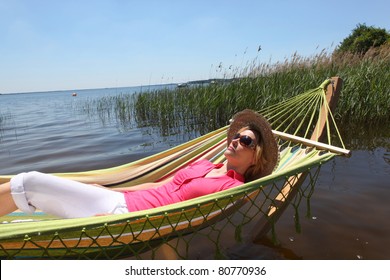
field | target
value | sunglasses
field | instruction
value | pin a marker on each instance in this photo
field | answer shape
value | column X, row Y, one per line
column 245, row 140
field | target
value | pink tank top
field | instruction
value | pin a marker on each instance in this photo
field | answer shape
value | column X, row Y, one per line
column 187, row 183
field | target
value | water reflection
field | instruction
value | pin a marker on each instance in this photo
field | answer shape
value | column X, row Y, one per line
column 358, row 136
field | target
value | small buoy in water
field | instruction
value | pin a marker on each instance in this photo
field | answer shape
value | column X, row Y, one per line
column 74, row 94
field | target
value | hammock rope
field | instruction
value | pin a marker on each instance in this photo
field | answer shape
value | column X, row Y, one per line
column 174, row 231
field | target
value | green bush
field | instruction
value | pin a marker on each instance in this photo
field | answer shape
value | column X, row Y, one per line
column 363, row 38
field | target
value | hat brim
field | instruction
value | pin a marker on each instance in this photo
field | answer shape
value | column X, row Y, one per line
column 270, row 147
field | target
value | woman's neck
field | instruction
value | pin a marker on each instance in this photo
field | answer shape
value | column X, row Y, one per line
column 239, row 169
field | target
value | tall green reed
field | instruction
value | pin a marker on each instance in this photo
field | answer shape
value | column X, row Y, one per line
column 365, row 97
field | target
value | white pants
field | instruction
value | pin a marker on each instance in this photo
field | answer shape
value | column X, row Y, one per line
column 62, row 197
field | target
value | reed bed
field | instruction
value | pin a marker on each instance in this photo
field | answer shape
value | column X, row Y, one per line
column 365, row 98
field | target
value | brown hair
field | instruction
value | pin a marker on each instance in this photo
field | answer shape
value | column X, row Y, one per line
column 253, row 171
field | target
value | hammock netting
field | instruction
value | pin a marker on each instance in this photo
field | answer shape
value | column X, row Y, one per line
column 183, row 229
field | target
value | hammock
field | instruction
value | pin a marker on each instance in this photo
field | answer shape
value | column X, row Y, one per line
column 299, row 124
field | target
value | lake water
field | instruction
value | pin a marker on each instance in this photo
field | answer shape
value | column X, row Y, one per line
column 50, row 132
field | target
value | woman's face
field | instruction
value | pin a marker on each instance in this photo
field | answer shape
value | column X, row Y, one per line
column 241, row 150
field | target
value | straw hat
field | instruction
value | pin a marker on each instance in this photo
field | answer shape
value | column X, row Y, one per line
column 258, row 122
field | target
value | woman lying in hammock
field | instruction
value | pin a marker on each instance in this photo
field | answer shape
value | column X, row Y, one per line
column 252, row 153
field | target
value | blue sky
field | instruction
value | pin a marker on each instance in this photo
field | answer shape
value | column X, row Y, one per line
column 60, row 45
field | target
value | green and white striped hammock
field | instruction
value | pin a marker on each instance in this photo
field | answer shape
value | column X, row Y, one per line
column 299, row 123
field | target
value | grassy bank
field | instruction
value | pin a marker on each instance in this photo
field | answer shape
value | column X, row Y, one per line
column 365, row 98
column 365, row 95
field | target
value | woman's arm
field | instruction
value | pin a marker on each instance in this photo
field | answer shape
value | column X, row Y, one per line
column 139, row 187
column 144, row 186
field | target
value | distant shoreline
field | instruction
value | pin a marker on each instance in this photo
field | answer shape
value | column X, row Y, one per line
column 77, row 90
column 194, row 82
